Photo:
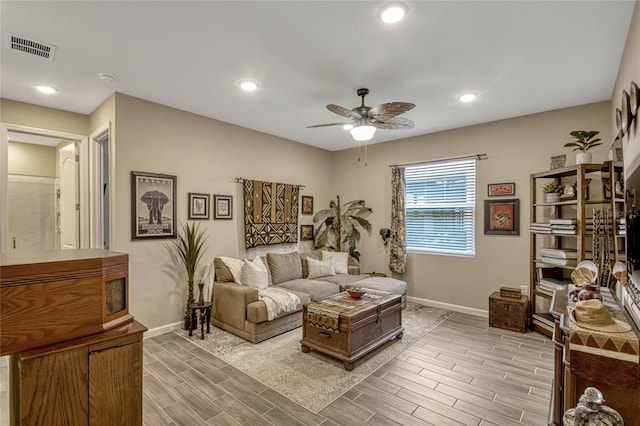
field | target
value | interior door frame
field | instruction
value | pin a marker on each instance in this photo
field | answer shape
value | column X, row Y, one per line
column 82, row 140
column 97, row 140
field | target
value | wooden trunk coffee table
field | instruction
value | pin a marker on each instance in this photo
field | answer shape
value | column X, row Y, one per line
column 362, row 325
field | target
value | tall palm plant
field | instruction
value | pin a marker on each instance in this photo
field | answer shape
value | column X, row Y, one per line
column 190, row 247
column 339, row 225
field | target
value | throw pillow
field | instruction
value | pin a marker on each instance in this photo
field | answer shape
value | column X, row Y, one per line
column 254, row 274
column 340, row 260
column 223, row 274
column 284, row 267
column 303, row 257
column 319, row 268
column 235, row 267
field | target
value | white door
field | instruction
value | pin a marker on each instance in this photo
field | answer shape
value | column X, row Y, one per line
column 69, row 204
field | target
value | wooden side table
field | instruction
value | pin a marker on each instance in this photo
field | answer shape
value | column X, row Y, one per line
column 205, row 316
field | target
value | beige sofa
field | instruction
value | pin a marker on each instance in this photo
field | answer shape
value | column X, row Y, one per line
column 238, row 309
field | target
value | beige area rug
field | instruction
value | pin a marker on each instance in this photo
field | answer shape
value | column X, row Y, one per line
column 313, row 380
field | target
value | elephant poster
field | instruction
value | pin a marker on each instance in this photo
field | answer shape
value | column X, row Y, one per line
column 153, row 205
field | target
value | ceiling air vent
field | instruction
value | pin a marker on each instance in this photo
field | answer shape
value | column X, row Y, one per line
column 32, row 47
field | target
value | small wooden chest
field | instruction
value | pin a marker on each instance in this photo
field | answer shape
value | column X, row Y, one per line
column 510, row 313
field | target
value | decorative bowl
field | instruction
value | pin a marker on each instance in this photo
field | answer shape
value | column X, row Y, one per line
column 355, row 293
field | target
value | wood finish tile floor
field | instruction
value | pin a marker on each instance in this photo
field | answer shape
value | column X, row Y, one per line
column 461, row 373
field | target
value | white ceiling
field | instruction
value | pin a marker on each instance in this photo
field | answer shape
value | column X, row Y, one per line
column 520, row 57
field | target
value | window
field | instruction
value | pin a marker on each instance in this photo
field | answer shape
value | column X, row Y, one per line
column 441, row 207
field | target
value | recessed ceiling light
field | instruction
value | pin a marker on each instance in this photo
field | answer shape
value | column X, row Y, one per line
column 248, row 85
column 107, row 78
column 467, row 97
column 393, row 13
column 48, row 90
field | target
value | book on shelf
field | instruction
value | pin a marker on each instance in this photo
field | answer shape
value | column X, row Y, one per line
column 552, row 284
column 563, row 226
column 559, row 253
column 562, row 221
column 544, row 319
column 556, row 261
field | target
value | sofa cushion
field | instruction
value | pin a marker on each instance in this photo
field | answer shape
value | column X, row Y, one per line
column 305, row 265
column 223, row 274
column 315, row 289
column 319, row 268
column 235, row 267
column 254, row 274
column 343, row 280
column 257, row 311
column 284, row 267
column 340, row 260
column 391, row 285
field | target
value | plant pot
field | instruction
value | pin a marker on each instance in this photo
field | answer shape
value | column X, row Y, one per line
column 551, row 197
column 583, row 157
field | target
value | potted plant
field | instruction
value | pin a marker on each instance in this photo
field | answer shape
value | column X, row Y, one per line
column 552, row 192
column 584, row 141
column 190, row 248
column 339, row 225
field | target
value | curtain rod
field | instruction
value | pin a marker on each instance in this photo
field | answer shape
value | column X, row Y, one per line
column 241, row 180
column 476, row 156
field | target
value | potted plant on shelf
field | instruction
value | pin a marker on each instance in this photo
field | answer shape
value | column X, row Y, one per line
column 339, row 225
column 584, row 141
column 190, row 248
column 552, row 192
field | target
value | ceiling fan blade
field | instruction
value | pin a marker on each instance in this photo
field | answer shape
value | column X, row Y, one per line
column 337, row 109
column 394, row 123
column 387, row 110
column 328, row 124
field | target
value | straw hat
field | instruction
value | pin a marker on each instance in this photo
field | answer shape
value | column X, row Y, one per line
column 593, row 315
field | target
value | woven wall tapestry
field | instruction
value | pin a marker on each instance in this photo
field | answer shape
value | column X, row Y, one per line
column 270, row 213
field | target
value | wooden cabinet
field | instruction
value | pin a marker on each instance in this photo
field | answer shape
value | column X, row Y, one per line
column 96, row 380
column 618, row 380
column 509, row 313
column 563, row 228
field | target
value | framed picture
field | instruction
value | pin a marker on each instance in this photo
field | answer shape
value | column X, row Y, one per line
column 306, row 232
column 497, row 189
column 198, row 206
column 502, row 217
column 153, row 205
column 307, row 204
column 223, row 207
column 558, row 161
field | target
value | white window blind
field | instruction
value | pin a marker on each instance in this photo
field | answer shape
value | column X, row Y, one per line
column 441, row 206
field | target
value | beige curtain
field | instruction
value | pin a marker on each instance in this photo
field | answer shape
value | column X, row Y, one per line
column 398, row 256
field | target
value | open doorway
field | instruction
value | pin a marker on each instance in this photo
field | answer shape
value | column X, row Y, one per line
column 42, row 192
column 44, row 172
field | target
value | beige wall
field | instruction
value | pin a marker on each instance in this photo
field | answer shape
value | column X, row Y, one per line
column 20, row 113
column 205, row 155
column 32, row 160
column 515, row 148
column 629, row 71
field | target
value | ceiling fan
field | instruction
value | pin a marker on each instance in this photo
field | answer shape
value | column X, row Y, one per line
column 365, row 120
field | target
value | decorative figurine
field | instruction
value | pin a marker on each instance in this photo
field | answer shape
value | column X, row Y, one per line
column 591, row 412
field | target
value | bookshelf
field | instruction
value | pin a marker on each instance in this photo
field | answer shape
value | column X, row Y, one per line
column 561, row 232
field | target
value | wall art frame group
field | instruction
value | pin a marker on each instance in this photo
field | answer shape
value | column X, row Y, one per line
column 153, row 205
column 198, row 206
column 222, row 207
column 306, row 232
column 502, row 217
column 307, row 204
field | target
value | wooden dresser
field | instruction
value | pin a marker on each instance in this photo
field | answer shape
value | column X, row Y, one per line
column 573, row 372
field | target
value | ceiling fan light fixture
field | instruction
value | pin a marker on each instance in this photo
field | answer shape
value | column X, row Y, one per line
column 248, row 85
column 393, row 13
column 347, row 126
column 468, row 97
column 363, row 132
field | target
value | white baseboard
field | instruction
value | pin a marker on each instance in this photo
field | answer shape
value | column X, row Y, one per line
column 449, row 306
column 162, row 330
